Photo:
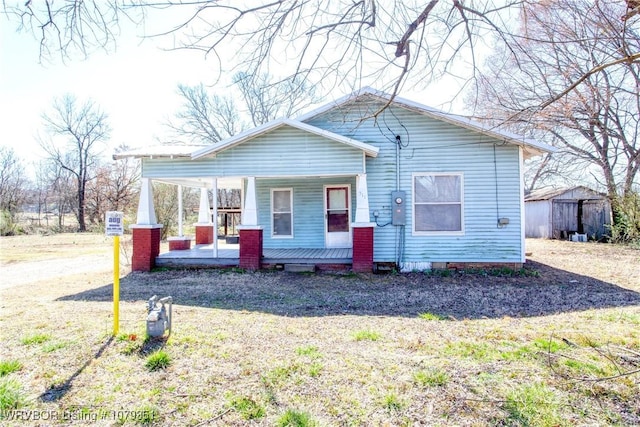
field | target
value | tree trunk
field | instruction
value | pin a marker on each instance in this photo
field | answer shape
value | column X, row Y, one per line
column 82, row 227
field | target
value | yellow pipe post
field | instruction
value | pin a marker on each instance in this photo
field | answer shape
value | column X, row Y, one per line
column 116, row 284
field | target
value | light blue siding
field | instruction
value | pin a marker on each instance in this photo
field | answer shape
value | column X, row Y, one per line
column 290, row 158
column 308, row 210
column 286, row 151
column 491, row 184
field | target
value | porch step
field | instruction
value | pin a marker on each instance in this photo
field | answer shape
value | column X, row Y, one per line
column 300, row 268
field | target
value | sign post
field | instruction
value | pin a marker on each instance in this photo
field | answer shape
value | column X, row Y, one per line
column 114, row 226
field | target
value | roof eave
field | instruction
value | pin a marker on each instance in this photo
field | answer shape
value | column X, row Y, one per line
column 150, row 156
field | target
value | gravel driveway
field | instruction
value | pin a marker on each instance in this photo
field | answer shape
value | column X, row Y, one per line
column 21, row 273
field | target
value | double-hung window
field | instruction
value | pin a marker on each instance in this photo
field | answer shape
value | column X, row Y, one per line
column 438, row 203
column 282, row 212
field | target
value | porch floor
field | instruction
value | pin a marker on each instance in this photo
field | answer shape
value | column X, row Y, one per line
column 228, row 256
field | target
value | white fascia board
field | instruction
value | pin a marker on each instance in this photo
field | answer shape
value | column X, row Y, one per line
column 368, row 149
column 159, row 151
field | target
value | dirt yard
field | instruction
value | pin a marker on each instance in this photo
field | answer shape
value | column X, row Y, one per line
column 557, row 343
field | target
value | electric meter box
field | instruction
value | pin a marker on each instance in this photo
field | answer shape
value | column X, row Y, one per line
column 399, row 210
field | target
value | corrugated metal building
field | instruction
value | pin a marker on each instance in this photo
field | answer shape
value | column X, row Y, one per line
column 558, row 213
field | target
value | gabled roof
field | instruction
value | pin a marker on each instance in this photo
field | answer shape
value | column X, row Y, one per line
column 552, row 193
column 212, row 150
column 532, row 146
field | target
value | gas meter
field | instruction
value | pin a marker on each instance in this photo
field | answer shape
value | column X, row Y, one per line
column 158, row 318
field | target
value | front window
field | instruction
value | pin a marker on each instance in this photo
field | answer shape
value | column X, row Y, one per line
column 282, row 212
column 437, row 203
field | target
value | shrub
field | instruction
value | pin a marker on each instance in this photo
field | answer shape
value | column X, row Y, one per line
column 11, row 394
column 36, row 339
column 626, row 221
column 248, row 408
column 294, row 418
column 431, row 316
column 9, row 366
column 533, row 405
column 309, row 351
column 366, row 335
column 392, row 403
column 7, row 224
column 432, row 377
column 158, row 360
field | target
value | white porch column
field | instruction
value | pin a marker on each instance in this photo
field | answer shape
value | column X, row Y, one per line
column 250, row 211
column 362, row 199
column 251, row 244
column 146, row 211
column 180, row 213
column 204, row 216
column 214, row 189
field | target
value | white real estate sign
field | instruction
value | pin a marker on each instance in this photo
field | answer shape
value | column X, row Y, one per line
column 114, row 223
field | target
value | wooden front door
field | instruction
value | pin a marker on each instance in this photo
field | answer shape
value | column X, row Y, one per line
column 337, row 216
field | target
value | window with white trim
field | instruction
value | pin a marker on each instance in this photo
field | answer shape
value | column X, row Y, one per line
column 281, row 212
column 438, row 203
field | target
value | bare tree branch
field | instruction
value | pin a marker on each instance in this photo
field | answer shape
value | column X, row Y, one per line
column 572, row 80
column 75, row 135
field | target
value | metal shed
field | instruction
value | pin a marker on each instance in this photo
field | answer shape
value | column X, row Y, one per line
column 558, row 213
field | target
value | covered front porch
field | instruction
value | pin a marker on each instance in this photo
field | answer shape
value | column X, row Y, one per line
column 304, row 200
column 229, row 256
column 263, row 243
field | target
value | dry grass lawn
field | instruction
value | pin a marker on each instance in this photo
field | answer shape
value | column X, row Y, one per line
column 555, row 344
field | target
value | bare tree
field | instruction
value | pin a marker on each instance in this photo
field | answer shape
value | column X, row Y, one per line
column 62, row 191
column 389, row 43
column 596, row 122
column 124, row 178
column 205, row 118
column 13, row 182
column 96, row 192
column 75, row 137
column 268, row 100
column 115, row 188
column 41, row 192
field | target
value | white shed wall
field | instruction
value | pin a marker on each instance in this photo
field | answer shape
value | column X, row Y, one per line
column 538, row 219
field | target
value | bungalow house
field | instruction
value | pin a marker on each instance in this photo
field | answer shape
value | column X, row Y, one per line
column 391, row 181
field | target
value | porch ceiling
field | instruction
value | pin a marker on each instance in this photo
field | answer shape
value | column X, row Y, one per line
column 203, row 182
